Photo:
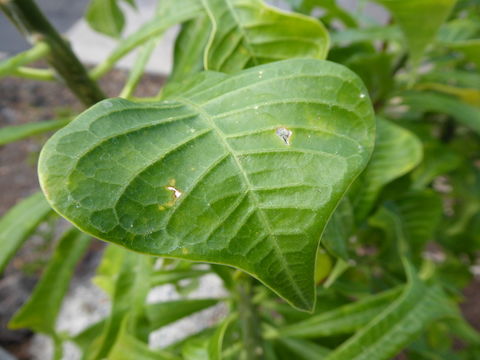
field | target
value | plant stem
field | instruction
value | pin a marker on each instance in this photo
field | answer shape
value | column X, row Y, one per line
column 251, row 332
column 34, row 73
column 9, row 65
column 30, row 21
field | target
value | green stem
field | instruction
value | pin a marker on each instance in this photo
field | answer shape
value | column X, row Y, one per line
column 34, row 74
column 30, row 21
column 9, row 65
column 138, row 69
column 249, row 321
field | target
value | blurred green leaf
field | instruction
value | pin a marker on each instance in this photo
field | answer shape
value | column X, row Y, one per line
column 189, row 48
column 323, row 266
column 161, row 277
column 419, row 21
column 106, row 17
column 334, row 11
column 157, row 314
column 18, row 223
column 40, row 312
column 128, row 347
column 397, row 151
column 169, row 14
column 109, row 268
column 304, row 349
column 10, row 134
column 195, row 349
column 466, row 114
column 467, row 95
column 438, row 160
column 216, row 341
column 131, row 287
column 372, row 33
column 397, row 325
column 376, row 72
column 458, row 29
column 470, row 49
column 345, row 319
column 454, row 77
column 338, row 230
column 247, row 33
column 410, row 220
column 164, row 313
column 138, row 68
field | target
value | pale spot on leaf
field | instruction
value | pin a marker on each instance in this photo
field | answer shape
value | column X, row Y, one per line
column 284, row 134
column 176, row 193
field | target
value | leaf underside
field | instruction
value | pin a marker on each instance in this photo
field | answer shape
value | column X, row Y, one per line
column 247, row 33
column 243, row 170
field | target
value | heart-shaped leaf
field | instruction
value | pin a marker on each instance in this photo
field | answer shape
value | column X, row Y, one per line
column 243, row 170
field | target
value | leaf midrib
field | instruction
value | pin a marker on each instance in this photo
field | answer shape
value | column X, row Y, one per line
column 251, row 192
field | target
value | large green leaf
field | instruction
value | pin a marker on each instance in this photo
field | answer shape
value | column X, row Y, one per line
column 419, row 21
column 397, row 151
column 242, row 170
column 18, row 223
column 246, row 33
column 40, row 311
column 400, row 323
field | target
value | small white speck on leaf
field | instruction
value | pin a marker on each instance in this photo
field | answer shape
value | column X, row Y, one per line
column 362, row 96
column 176, row 193
column 284, row 134
column 107, row 104
column 260, row 74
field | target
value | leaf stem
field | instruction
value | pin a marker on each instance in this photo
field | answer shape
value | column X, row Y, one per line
column 34, row 73
column 9, row 65
column 30, row 21
column 249, row 321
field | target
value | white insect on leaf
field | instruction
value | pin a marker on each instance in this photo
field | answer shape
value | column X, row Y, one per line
column 176, row 193
column 284, row 134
